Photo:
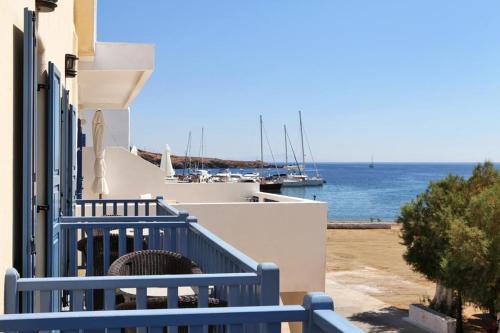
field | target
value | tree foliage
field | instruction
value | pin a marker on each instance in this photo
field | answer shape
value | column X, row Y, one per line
column 452, row 234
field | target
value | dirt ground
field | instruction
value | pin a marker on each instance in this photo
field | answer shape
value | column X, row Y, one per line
column 378, row 251
column 370, row 262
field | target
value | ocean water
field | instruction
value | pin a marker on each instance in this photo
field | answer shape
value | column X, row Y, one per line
column 355, row 192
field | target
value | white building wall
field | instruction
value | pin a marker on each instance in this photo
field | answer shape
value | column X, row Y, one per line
column 130, row 176
column 116, row 130
column 290, row 232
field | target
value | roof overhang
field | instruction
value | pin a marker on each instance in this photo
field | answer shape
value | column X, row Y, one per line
column 115, row 75
column 85, row 25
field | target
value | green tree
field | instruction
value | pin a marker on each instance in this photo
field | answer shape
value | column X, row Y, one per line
column 484, row 215
column 451, row 236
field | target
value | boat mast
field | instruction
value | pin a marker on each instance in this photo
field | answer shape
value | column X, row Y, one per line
column 286, row 148
column 261, row 146
column 187, row 153
column 202, row 132
column 302, row 142
column 294, row 156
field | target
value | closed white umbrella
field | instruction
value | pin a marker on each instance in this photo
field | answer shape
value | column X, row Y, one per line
column 99, row 186
column 166, row 163
column 133, row 150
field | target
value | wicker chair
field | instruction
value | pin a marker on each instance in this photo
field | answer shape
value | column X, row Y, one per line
column 186, row 301
column 190, row 301
column 113, row 249
column 98, row 263
column 159, row 262
column 153, row 262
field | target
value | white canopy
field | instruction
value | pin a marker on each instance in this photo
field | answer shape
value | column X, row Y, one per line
column 166, row 163
column 99, row 186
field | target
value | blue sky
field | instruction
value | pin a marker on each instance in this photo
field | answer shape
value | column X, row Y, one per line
column 403, row 80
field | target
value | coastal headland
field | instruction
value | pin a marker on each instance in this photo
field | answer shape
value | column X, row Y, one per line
column 208, row 162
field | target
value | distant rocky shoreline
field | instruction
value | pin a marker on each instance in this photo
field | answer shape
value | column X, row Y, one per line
column 208, row 162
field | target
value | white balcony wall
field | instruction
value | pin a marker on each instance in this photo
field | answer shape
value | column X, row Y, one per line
column 290, row 232
column 130, row 176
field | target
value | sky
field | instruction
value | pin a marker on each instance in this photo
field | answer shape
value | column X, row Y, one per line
column 404, row 81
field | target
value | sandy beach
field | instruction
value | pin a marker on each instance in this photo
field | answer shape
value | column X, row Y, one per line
column 370, row 281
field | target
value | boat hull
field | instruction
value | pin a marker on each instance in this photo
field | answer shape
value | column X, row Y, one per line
column 270, row 187
column 302, row 183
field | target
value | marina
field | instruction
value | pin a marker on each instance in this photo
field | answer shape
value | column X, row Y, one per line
column 249, row 167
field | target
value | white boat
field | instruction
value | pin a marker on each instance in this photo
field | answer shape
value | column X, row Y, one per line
column 267, row 184
column 238, row 177
column 301, row 178
column 201, row 176
column 252, row 175
column 223, row 176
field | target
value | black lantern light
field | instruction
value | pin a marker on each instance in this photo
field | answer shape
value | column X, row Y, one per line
column 70, row 65
column 46, row 6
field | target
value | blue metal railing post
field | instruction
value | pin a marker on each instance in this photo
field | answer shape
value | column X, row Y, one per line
column 11, row 304
column 189, row 237
column 158, row 208
column 270, row 283
column 312, row 302
column 269, row 291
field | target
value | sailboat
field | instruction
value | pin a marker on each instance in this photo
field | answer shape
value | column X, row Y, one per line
column 267, row 184
column 301, row 178
column 372, row 164
column 200, row 175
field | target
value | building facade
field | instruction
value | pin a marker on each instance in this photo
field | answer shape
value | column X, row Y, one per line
column 101, row 82
column 57, row 248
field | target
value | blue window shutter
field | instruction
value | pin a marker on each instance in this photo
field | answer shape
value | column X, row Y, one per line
column 72, row 153
column 68, row 179
column 53, row 169
column 54, row 110
column 80, row 144
column 29, row 151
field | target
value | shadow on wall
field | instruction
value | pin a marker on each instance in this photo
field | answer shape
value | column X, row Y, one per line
column 17, row 142
column 389, row 319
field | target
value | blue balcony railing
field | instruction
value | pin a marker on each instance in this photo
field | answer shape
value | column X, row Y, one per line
column 241, row 289
column 249, row 290
column 125, row 207
column 228, row 274
column 316, row 315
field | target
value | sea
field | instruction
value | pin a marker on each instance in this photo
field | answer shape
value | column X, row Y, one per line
column 355, row 192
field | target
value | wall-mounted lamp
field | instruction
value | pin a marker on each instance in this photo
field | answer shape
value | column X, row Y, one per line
column 70, row 65
column 46, row 6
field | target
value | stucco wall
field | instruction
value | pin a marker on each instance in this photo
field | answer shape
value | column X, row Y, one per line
column 290, row 232
column 130, row 176
column 117, row 127
column 292, row 235
column 56, row 37
column 11, row 38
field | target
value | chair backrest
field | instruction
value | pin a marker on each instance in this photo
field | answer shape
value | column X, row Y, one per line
column 153, row 262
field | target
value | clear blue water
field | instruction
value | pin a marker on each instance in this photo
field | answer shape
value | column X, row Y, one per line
column 355, row 192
